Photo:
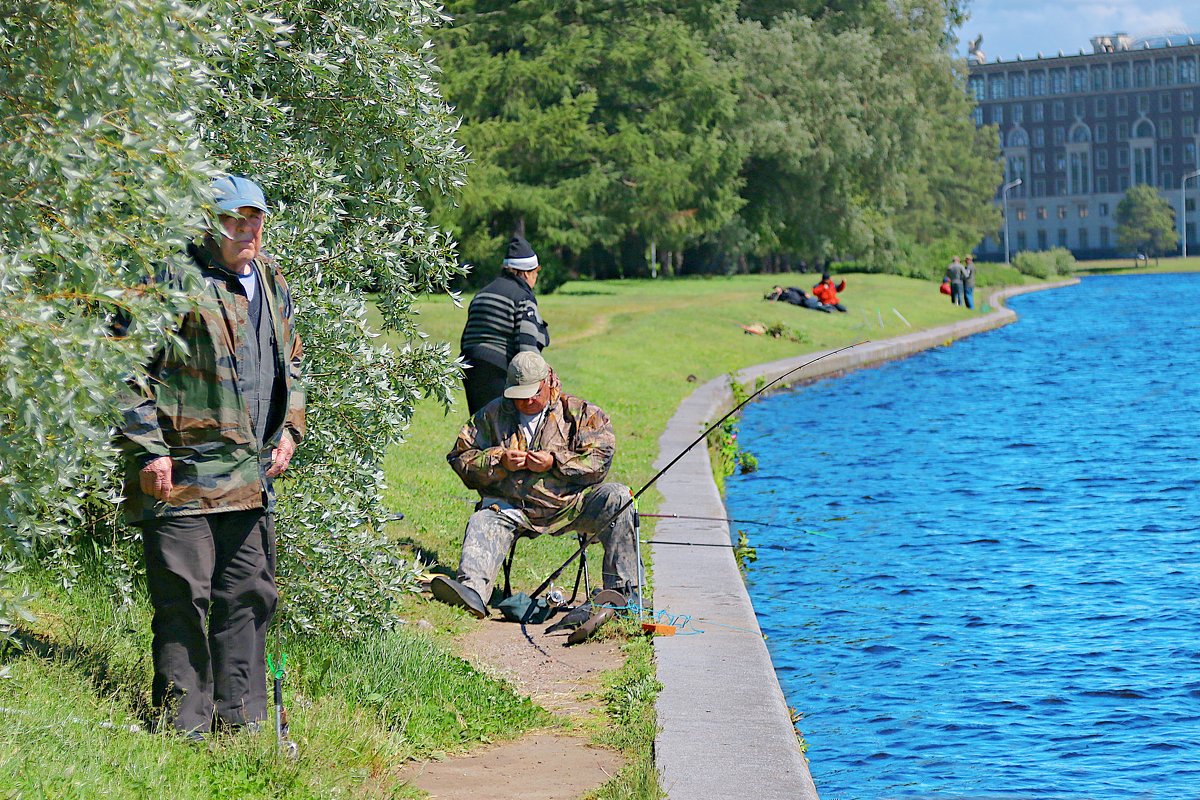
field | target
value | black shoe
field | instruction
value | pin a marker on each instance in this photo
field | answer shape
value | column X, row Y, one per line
column 453, row 593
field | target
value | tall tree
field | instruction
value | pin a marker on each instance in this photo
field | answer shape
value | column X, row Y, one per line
column 591, row 124
column 114, row 118
column 1146, row 221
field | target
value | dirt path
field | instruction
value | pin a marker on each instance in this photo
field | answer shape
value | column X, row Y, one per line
column 544, row 765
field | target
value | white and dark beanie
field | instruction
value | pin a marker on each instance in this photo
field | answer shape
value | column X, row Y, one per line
column 520, row 255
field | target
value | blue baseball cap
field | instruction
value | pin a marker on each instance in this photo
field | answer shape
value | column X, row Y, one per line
column 234, row 192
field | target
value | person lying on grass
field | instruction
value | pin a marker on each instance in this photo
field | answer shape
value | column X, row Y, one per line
column 538, row 458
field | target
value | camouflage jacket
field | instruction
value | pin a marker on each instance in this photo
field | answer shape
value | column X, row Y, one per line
column 578, row 435
column 191, row 407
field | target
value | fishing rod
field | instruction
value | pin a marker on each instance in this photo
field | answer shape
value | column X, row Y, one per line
column 588, row 540
column 717, row 519
column 750, row 546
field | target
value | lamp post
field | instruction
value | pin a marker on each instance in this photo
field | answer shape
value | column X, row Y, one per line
column 1183, row 207
column 1004, row 198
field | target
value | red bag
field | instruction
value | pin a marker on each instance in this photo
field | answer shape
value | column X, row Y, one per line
column 945, row 289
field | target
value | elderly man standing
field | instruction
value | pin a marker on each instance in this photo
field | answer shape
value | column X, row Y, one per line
column 502, row 320
column 538, row 458
column 215, row 423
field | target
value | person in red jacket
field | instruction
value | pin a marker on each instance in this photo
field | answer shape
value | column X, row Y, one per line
column 826, row 292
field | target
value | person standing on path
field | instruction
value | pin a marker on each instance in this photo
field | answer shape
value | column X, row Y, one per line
column 204, row 437
column 969, row 282
column 954, row 273
column 502, row 320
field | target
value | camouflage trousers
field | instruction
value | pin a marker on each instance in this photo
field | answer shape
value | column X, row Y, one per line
column 490, row 535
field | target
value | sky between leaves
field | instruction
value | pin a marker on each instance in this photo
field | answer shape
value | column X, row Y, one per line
column 1026, row 27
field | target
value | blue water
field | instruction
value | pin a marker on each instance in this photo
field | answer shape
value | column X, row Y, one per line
column 1008, row 601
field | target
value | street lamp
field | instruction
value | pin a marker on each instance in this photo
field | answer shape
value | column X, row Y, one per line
column 1183, row 207
column 1004, row 198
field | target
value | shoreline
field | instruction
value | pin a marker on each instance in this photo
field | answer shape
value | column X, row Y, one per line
column 725, row 729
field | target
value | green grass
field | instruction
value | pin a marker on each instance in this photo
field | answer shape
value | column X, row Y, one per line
column 360, row 709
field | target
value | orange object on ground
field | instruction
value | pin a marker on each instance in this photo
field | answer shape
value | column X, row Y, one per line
column 658, row 628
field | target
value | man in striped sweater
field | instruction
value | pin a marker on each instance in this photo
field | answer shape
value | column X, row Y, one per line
column 502, row 320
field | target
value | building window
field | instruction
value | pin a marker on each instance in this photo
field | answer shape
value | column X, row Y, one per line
column 1039, row 189
column 1077, row 108
column 1185, row 100
column 1021, row 240
column 1039, row 112
column 1101, row 105
column 1102, row 184
column 1168, row 179
column 1187, row 70
column 1123, row 182
column 1101, row 132
column 1083, row 243
column 975, row 84
column 1143, row 130
column 1062, row 237
column 1166, row 74
column 1039, row 162
column 1037, row 84
column 1164, row 129
column 996, row 87
column 1039, row 137
column 1122, row 132
column 1018, row 138
column 1041, row 212
column 1189, row 152
column 1060, row 161
column 1099, row 78
column 1058, row 81
column 1164, row 154
column 1078, row 79
column 1122, row 106
column 1080, row 134
column 1104, row 237
column 1103, row 209
column 1060, row 135
column 997, row 115
column 1143, row 165
column 1122, row 157
column 1120, row 76
column 1062, row 212
column 1041, row 240
column 1164, row 101
column 1143, row 103
column 1101, row 159
column 1083, row 210
column 1018, row 85
column 1020, row 212
column 1018, row 113
column 1189, row 126
column 1058, row 111
column 1142, row 75
column 1060, row 187
column 1190, row 204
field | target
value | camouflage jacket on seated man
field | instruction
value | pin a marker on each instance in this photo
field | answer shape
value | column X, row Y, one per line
column 192, row 406
column 577, row 433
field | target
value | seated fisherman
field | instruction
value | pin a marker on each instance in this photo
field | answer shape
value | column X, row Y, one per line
column 538, row 458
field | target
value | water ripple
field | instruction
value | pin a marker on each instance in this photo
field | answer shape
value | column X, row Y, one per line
column 1006, row 604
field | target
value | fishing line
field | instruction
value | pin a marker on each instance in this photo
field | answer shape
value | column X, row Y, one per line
column 590, row 539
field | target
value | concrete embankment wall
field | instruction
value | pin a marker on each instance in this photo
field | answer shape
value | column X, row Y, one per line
column 726, row 730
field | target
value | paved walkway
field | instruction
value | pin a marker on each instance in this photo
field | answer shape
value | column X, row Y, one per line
column 726, row 730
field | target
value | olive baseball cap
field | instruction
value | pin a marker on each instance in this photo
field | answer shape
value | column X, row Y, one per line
column 526, row 372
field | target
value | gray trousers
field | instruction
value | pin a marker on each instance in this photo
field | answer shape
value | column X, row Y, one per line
column 490, row 535
column 212, row 584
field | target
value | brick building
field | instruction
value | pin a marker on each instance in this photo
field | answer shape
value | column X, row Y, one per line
column 1080, row 130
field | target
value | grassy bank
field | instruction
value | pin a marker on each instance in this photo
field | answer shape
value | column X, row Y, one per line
column 360, row 709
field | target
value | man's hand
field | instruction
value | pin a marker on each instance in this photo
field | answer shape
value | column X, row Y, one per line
column 513, row 460
column 156, row 480
column 538, row 461
column 281, row 456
